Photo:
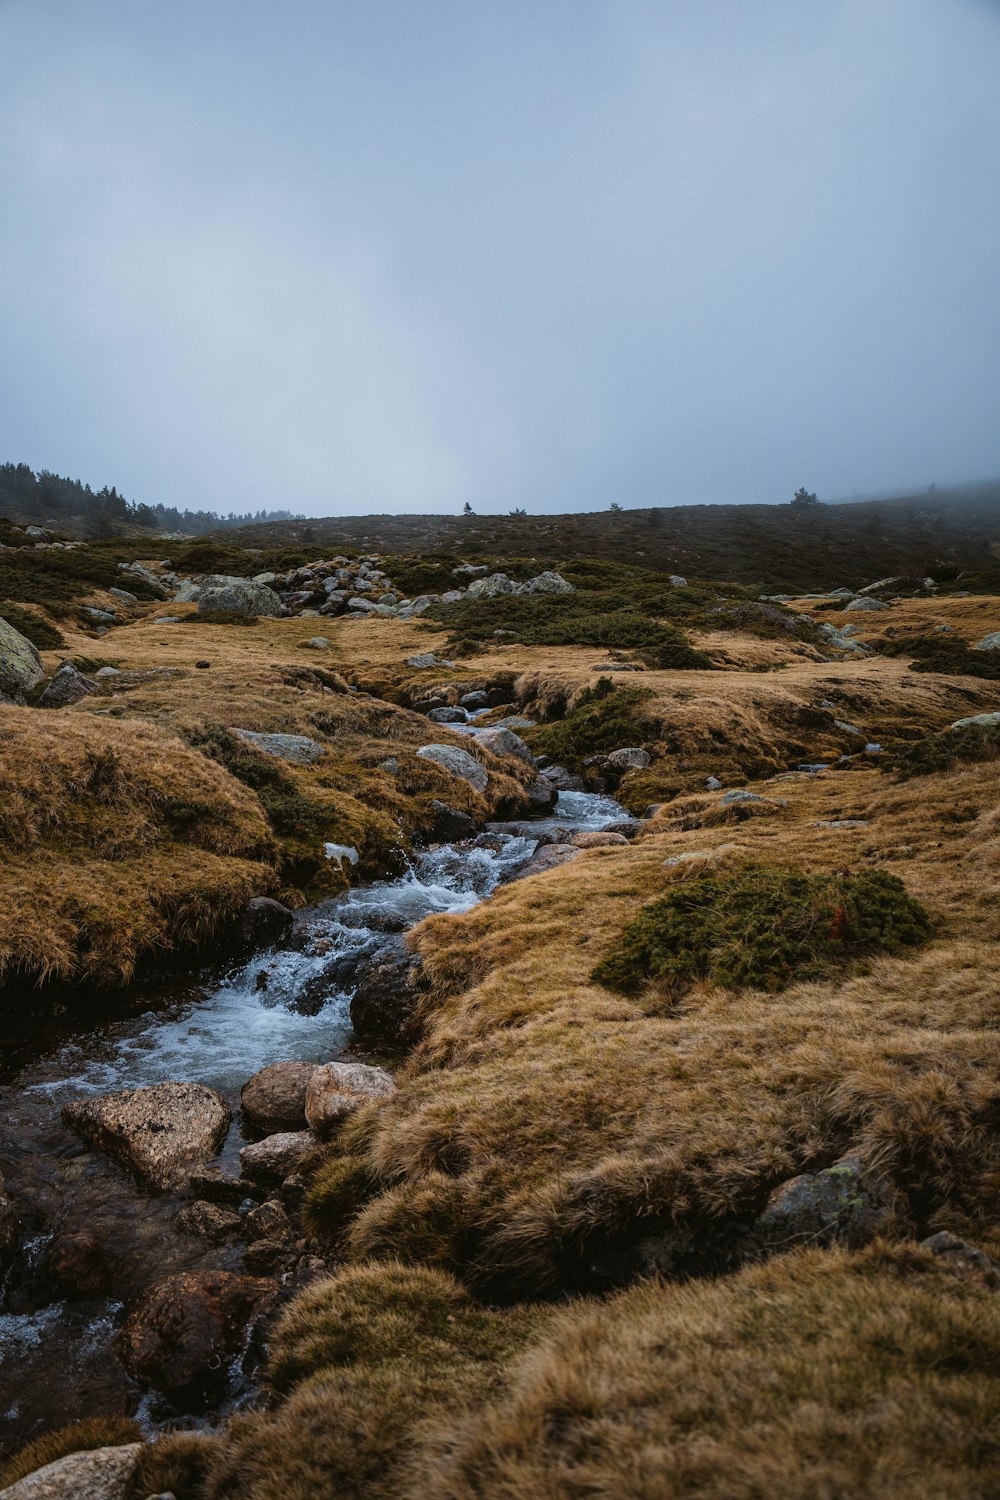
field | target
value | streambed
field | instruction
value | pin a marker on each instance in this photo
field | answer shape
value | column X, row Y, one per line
column 290, row 1002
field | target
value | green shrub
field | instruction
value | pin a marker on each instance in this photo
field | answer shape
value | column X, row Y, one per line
column 33, row 627
column 604, row 718
column 57, row 579
column 762, row 927
column 939, row 752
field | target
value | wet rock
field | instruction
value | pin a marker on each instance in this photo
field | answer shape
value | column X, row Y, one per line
column 209, row 1221
column 450, row 825
column 337, row 1089
column 542, row 794
column 476, row 699
column 67, row 686
column 448, row 715
column 10, row 1230
column 384, row 1003
column 240, row 596
column 274, row 1100
column 268, row 1221
column 21, row 667
column 549, row 857
column 160, row 1132
column 298, row 748
column 563, row 780
column 269, row 1256
column 631, row 758
column 276, row 1156
column 458, row 763
column 97, row 1474
column 503, row 741
column 844, row 1204
column 184, row 1331
column 964, row 1260
column 598, row 839
column 218, row 1185
column 265, row 922
column 78, row 1263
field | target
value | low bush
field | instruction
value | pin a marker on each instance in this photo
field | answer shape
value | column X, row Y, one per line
column 58, row 579
column 763, row 928
column 604, row 718
column 939, row 752
column 33, row 627
column 944, row 654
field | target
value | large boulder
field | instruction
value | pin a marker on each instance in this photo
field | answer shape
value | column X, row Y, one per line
column 631, row 758
column 297, row 748
column 985, row 721
column 184, row 1332
column 274, row 1100
column 239, row 596
column 384, row 1003
column 869, row 606
column 337, row 1089
column 505, row 742
column 264, row 922
column 160, row 1132
column 96, row 1474
column 20, row 665
column 989, row 642
column 450, row 824
column 489, row 588
column 548, row 582
column 67, row 686
column 275, row 1157
column 458, row 763
column 845, row 1204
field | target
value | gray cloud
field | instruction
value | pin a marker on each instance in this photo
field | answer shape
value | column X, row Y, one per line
column 400, row 255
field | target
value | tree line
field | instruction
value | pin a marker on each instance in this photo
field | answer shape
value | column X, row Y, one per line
column 46, row 499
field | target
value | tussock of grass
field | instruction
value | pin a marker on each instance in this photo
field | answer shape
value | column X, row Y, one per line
column 77, row 1437
column 824, row 1374
column 761, row 927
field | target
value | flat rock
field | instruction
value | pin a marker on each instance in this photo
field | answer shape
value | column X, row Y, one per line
column 160, row 1132
column 458, row 762
column 97, row 1474
column 298, row 748
column 337, row 1089
column 549, row 857
column 209, row 1221
column 274, row 1100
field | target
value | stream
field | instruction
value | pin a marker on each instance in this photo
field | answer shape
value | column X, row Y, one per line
column 217, row 1028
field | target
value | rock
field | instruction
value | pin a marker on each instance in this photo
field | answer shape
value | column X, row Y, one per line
column 629, row 759
column 963, row 1259
column 21, row 667
column 548, row 582
column 427, row 659
column 298, row 748
column 738, row 797
column 185, row 1330
column 989, row 642
column 240, row 596
column 458, row 763
column 842, row 823
column 78, row 1263
column 274, row 1100
column 264, row 922
column 448, row 715
column 268, row 1221
column 188, row 592
column 337, row 1089
column 840, row 640
column 846, row 728
column 491, row 587
column 677, row 582
column 209, row 1221
column 276, row 1156
column 365, row 606
column 269, row 1256
column 598, row 839
column 124, row 595
column 985, row 720
column 450, row 825
column 317, row 643
column 38, row 532
column 563, row 780
column 547, row 858
column 868, row 605
column 502, row 741
column 218, row 1185
column 469, row 570
column 106, row 672
column 385, row 999
column 104, row 616
column 843, row 1204
column 159, row 1132
column 453, row 596
column 478, row 698
column 542, row 794
column 713, row 784
column 96, row 1474
column 267, row 578
column 10, row 1229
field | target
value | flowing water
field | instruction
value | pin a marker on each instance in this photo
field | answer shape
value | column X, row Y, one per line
column 292, row 1002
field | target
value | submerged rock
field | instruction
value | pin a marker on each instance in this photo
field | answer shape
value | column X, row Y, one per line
column 337, row 1089
column 97, row 1474
column 274, row 1100
column 160, row 1132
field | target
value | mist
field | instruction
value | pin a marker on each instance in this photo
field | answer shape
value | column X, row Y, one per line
column 400, row 256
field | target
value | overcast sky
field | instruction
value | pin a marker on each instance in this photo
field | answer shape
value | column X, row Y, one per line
column 385, row 255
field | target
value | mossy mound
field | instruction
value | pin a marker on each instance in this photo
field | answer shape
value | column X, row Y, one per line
column 604, row 718
column 762, row 928
column 33, row 626
column 946, row 655
column 939, row 752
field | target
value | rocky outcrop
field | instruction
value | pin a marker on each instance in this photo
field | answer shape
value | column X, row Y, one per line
column 458, row 763
column 239, row 596
column 184, row 1331
column 337, row 1089
column 384, row 1003
column 298, row 748
column 161, row 1133
column 21, row 667
column 97, row 1474
column 274, row 1100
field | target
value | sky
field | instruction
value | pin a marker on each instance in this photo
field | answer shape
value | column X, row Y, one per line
column 356, row 256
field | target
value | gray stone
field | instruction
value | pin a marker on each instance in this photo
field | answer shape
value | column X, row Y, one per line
column 478, row 698
column 124, row 595
column 491, row 587
column 104, row 616
column 97, row 1474
column 502, row 741
column 385, row 999
column 448, row 715
column 298, row 748
column 337, row 1089
column 188, row 592
column 68, row 686
column 274, row 1099
column 453, row 596
column 869, row 605
column 841, row 823
column 450, row 824
column 549, row 857
column 989, row 642
column 317, row 643
column 548, row 582
column 427, row 659
column 713, row 783
column 844, row 1204
column 846, row 728
column 985, row 720
column 240, row 597
column 268, row 1221
column 563, row 780
column 458, row 763
column 276, row 1156
column 21, row 667
column 677, row 581
column 161, row 1133
column 632, row 758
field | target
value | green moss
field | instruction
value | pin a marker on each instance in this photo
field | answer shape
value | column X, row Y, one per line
column 604, row 718
column 33, row 627
column 939, row 752
column 762, row 927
